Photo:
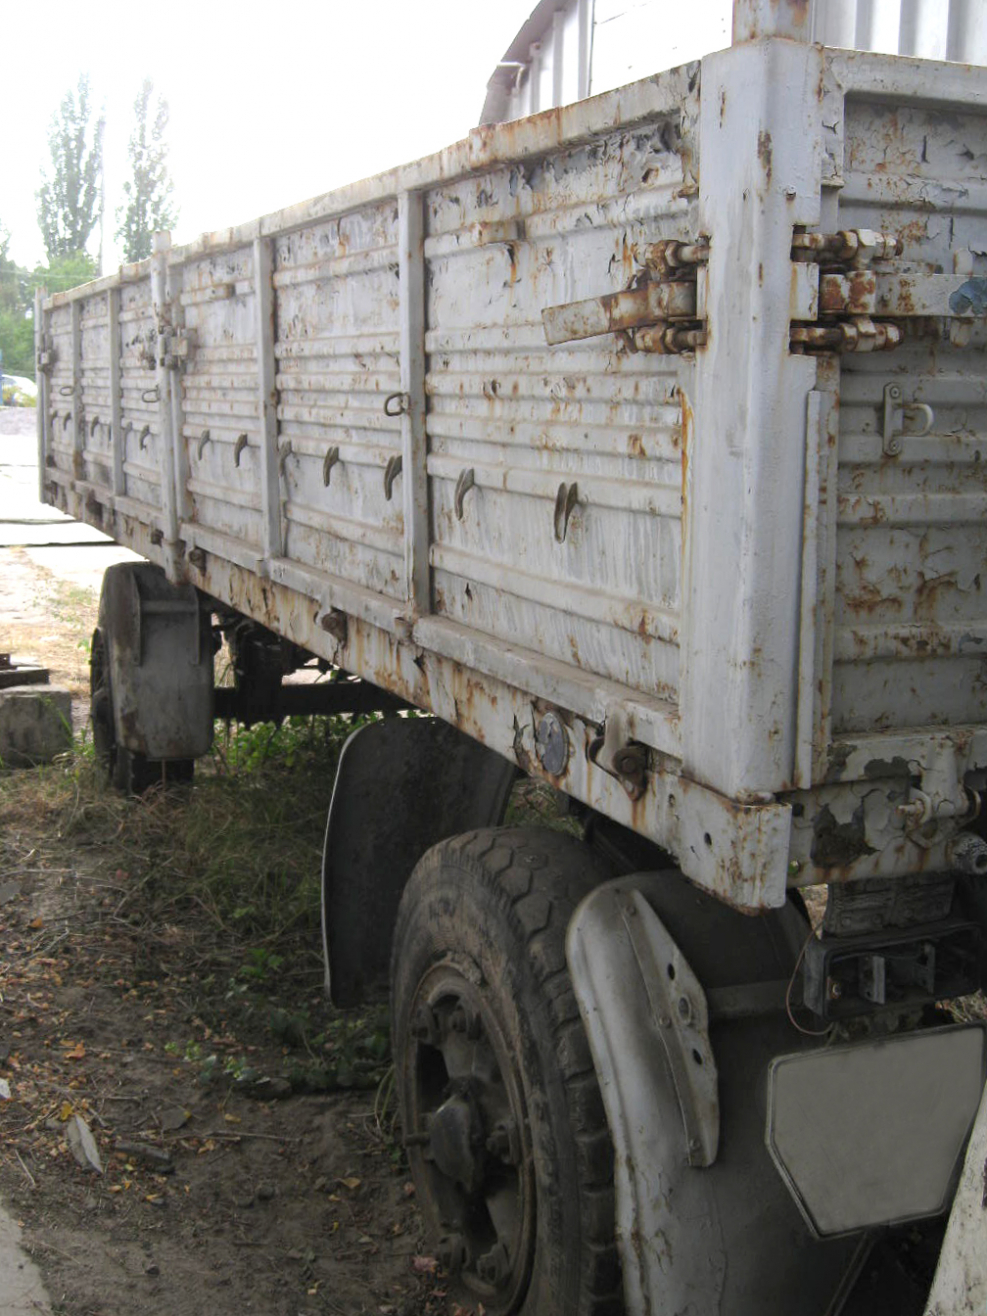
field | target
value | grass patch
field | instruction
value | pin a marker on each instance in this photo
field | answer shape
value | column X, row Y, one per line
column 216, row 886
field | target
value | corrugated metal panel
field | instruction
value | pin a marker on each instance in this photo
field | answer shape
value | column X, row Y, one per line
column 221, row 428
column 61, row 446
column 337, row 354
column 140, row 432
column 911, row 592
column 526, row 419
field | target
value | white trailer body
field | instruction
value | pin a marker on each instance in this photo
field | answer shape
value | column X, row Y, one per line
column 755, row 567
column 643, row 440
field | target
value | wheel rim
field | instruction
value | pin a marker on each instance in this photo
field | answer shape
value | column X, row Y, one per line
column 469, row 1140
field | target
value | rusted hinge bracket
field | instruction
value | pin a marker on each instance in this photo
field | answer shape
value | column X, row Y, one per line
column 660, row 312
column 174, row 350
column 47, row 356
column 839, row 301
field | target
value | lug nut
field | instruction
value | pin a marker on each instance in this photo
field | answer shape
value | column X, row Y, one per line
column 493, row 1265
column 465, row 1022
column 502, row 1142
column 423, row 1025
column 452, row 1252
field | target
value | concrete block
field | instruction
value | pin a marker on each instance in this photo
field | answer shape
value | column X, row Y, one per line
column 35, row 724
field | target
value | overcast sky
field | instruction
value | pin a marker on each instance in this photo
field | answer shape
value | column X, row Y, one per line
column 270, row 104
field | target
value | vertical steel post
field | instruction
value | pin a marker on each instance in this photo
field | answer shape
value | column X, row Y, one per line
column 762, row 166
column 558, row 57
column 411, row 269
column 865, row 36
column 116, row 403
column 585, row 21
column 267, row 400
column 921, row 29
column 534, row 79
column 835, row 23
column 174, row 279
column 78, row 419
column 754, row 19
column 966, row 38
column 171, row 554
column 44, row 392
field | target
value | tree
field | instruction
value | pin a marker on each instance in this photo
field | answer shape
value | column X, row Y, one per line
column 64, row 272
column 70, row 200
column 149, row 207
column 16, row 314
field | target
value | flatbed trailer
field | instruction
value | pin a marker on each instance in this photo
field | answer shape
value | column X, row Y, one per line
column 642, row 442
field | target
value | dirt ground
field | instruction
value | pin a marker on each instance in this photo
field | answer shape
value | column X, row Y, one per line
column 224, row 1186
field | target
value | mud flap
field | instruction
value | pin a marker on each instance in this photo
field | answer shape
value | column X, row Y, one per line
column 402, row 785
column 960, row 1284
column 161, row 662
column 704, row 1223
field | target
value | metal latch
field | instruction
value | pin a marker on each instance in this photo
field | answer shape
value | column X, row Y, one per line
column 174, row 350
column 660, row 312
column 900, row 417
column 47, row 356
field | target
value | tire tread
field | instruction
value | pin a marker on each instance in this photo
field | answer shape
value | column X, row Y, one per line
column 537, row 877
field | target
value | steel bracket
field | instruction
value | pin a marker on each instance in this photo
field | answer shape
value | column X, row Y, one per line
column 679, row 1009
column 659, row 312
column 902, row 418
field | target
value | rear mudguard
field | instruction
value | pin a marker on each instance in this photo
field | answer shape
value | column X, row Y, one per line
column 402, row 785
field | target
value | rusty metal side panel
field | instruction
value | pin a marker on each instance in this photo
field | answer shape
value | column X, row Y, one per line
column 911, row 593
column 140, row 436
column 338, row 361
column 514, row 424
column 61, row 395
column 221, row 428
column 94, row 354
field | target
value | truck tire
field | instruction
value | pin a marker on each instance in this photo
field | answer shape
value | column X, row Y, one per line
column 128, row 771
column 502, row 1115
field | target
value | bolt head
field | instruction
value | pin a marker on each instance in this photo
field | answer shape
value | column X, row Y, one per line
column 503, row 1143
column 494, row 1265
column 452, row 1252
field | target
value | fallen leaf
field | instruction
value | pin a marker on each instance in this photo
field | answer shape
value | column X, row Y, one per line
column 424, row 1265
column 82, row 1143
column 350, row 1182
column 36, row 923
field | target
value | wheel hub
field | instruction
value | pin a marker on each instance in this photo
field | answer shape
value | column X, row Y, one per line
column 455, row 1134
column 469, row 1108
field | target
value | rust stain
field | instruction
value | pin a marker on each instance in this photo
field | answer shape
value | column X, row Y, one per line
column 688, row 422
column 635, row 446
column 764, row 152
column 927, row 594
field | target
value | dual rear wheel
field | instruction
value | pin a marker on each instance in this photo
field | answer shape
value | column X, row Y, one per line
column 505, row 1128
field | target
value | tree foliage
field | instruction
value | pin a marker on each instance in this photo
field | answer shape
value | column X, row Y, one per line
column 149, row 207
column 70, row 196
column 17, row 288
column 64, row 272
column 16, row 314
